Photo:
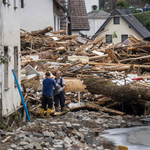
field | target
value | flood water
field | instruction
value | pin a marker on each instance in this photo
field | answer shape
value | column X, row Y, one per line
column 135, row 138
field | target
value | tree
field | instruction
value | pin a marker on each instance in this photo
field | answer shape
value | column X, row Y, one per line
column 146, row 1
column 122, row 4
column 143, row 18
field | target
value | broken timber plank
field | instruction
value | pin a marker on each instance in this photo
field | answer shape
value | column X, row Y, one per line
column 104, row 109
column 91, row 43
column 112, row 55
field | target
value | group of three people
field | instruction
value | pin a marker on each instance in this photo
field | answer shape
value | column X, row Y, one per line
column 47, row 94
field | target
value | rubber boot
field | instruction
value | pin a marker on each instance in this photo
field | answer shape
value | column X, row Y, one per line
column 62, row 109
column 56, row 109
column 48, row 113
column 42, row 113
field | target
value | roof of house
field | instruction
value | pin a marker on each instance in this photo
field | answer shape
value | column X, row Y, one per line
column 61, row 5
column 98, row 14
column 130, row 20
column 79, row 20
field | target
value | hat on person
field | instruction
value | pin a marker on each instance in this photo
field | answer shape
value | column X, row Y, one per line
column 47, row 74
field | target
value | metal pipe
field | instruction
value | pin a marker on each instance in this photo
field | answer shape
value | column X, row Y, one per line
column 24, row 104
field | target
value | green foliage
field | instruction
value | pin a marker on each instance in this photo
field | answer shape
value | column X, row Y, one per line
column 146, row 1
column 114, row 35
column 144, row 19
column 17, row 117
column 122, row 4
column 4, row 59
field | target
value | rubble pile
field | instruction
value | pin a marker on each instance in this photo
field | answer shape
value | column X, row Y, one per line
column 78, row 58
column 75, row 130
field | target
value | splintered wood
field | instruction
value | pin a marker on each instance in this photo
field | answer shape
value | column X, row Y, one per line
column 79, row 58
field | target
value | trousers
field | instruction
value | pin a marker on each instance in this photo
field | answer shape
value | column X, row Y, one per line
column 59, row 98
column 47, row 100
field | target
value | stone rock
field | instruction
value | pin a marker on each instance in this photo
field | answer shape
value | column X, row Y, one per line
column 23, row 143
column 105, row 126
column 28, row 140
column 67, row 140
column 14, row 146
column 69, row 125
column 54, row 123
column 21, row 135
column 48, row 134
column 49, row 140
column 19, row 148
column 35, row 139
column 47, row 145
column 37, row 145
column 29, row 146
column 58, row 147
column 16, row 138
column 3, row 133
column 37, row 134
column 60, row 123
column 76, row 126
column 40, row 121
column 58, row 142
column 89, row 139
column 60, row 134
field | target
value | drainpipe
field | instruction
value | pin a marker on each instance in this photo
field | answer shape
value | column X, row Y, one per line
column 1, row 48
column 69, row 19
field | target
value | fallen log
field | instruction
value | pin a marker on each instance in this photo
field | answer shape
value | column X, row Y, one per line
column 124, row 93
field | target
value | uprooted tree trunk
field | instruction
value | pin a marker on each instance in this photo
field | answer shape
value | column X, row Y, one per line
column 126, row 93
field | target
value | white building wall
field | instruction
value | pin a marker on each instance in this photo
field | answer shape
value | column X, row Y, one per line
column 36, row 14
column 75, row 32
column 10, row 38
column 120, row 29
column 90, row 3
column 94, row 24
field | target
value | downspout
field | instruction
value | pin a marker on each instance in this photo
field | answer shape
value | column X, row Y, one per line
column 69, row 18
column 1, row 49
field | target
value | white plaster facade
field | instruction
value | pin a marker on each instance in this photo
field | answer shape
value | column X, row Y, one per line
column 39, row 14
column 75, row 32
column 120, row 29
column 94, row 24
column 10, row 38
column 90, row 3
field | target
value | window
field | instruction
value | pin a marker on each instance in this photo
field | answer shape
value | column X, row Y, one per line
column 94, row 7
column 16, row 61
column 116, row 20
column 6, row 68
column 108, row 38
column 124, row 37
column 22, row 3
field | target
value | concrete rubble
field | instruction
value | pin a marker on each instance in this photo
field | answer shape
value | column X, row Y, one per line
column 71, row 131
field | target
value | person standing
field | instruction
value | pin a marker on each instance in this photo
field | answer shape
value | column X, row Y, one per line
column 59, row 98
column 47, row 95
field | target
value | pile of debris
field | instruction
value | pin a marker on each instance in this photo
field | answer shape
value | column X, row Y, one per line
column 78, row 58
column 75, row 130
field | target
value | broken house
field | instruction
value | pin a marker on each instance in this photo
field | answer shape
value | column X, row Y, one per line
column 10, row 48
column 38, row 14
column 123, row 24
